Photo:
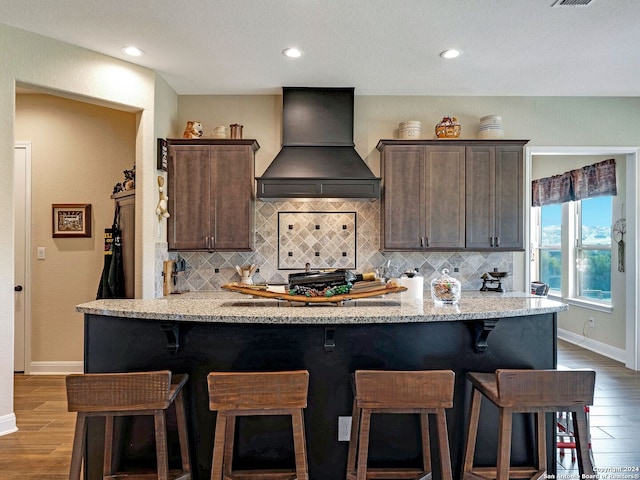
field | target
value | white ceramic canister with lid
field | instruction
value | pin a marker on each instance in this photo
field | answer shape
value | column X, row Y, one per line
column 410, row 130
column 491, row 127
column 220, row 132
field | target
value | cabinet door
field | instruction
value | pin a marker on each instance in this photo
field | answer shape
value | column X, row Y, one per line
column 509, row 198
column 444, row 197
column 495, row 196
column 480, row 197
column 403, row 198
column 189, row 176
column 232, row 197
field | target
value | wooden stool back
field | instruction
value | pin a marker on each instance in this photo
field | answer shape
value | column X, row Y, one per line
column 119, row 391
column 545, row 388
column 264, row 390
column 257, row 393
column 421, row 392
column 421, row 389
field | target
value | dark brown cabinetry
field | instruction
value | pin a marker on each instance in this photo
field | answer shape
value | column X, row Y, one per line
column 452, row 195
column 495, row 197
column 423, row 196
column 211, row 194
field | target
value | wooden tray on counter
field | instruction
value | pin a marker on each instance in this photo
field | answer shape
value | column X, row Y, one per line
column 261, row 291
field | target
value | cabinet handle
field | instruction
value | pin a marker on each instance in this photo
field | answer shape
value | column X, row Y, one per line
column 491, row 241
column 422, row 241
column 427, row 241
column 497, row 241
column 206, row 241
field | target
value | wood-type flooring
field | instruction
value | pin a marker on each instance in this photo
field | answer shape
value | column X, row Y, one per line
column 41, row 449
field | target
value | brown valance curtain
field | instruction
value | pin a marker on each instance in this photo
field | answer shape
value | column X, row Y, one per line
column 590, row 181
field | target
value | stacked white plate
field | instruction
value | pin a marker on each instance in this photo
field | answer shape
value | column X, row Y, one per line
column 491, row 127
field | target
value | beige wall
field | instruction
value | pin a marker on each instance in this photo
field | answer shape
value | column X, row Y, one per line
column 557, row 121
column 72, row 72
column 79, row 152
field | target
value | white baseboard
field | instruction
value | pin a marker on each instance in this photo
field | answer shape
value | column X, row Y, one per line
column 603, row 349
column 8, row 424
column 55, row 368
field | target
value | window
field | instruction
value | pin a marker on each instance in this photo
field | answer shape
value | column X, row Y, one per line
column 550, row 250
column 593, row 249
column 578, row 248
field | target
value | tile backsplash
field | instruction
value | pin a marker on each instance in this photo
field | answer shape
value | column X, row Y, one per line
column 321, row 239
column 208, row 271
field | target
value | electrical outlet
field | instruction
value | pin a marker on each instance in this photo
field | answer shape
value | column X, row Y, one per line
column 344, row 429
column 592, row 322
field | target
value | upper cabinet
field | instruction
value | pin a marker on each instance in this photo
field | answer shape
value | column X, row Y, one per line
column 211, row 194
column 452, row 195
column 422, row 196
column 495, row 197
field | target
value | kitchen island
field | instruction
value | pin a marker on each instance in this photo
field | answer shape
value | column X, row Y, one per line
column 224, row 331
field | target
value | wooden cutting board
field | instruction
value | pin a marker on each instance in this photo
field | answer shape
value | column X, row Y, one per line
column 261, row 291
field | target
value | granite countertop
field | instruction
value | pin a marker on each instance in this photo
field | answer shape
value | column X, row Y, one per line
column 231, row 307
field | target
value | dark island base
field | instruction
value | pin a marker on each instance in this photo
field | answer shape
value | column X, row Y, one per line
column 330, row 354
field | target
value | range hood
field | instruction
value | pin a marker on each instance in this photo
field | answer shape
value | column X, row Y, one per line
column 318, row 160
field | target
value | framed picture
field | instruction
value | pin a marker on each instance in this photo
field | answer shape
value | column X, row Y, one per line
column 71, row 219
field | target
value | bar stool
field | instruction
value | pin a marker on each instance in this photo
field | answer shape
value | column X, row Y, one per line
column 112, row 395
column 423, row 392
column 247, row 394
column 529, row 391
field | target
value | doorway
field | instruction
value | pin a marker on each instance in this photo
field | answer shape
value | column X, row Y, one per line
column 631, row 353
column 22, row 262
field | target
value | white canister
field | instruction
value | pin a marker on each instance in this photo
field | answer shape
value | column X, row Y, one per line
column 414, row 283
column 491, row 127
column 220, row 132
column 410, row 130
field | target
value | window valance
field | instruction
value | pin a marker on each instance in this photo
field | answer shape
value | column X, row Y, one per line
column 590, row 181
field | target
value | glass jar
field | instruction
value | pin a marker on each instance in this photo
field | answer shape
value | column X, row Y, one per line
column 445, row 290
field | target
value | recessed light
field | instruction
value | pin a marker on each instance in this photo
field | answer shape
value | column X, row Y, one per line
column 292, row 52
column 451, row 53
column 132, row 51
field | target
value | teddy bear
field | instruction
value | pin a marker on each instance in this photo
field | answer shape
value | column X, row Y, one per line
column 193, row 130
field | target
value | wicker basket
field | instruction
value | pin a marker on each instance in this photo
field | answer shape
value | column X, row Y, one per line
column 449, row 127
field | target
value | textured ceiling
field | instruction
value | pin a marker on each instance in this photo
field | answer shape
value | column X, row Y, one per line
column 381, row 47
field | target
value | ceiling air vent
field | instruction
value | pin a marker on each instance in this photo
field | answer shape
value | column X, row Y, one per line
column 571, row 3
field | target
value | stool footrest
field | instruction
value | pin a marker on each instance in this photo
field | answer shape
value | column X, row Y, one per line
column 484, row 473
column 173, row 475
column 389, row 473
column 272, row 474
